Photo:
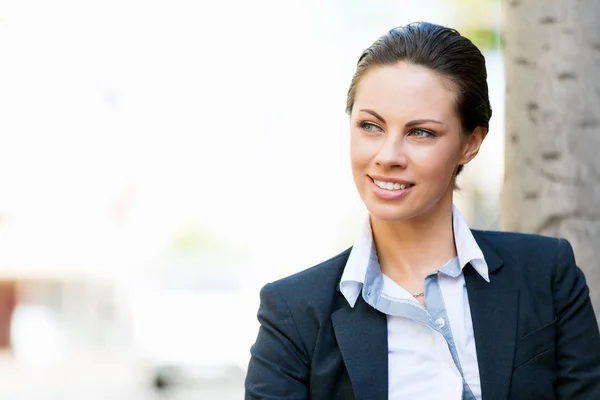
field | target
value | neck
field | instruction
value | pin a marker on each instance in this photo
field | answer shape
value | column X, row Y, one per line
column 413, row 248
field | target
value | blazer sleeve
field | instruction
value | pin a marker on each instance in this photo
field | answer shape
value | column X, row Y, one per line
column 578, row 338
column 279, row 366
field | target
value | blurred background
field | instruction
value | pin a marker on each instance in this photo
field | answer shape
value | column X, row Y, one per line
column 159, row 159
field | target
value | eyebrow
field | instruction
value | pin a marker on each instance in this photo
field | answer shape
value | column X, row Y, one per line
column 422, row 121
column 408, row 124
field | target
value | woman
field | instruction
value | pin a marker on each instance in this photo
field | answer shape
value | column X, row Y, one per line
column 422, row 307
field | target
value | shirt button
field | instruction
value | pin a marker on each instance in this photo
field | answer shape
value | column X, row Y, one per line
column 440, row 322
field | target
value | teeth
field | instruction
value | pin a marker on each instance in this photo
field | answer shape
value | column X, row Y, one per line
column 390, row 185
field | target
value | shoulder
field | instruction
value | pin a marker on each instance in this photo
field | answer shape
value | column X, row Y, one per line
column 527, row 250
column 517, row 243
column 314, row 288
column 322, row 277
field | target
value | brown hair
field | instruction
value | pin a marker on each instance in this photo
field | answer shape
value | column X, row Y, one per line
column 444, row 51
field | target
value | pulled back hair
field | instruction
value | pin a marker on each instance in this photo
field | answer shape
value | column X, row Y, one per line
column 442, row 50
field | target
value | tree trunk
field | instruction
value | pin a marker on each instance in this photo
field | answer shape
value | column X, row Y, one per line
column 552, row 172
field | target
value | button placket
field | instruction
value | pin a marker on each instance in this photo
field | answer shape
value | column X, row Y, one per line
column 439, row 321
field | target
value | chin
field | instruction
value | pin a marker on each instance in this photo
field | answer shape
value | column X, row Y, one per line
column 405, row 209
column 391, row 212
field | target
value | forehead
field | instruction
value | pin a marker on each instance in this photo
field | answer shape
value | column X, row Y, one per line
column 406, row 90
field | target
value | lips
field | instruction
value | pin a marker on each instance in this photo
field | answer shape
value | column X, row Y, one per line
column 387, row 188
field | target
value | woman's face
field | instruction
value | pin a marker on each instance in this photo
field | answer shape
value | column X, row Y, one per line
column 406, row 141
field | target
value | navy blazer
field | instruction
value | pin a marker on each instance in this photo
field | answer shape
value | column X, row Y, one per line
column 535, row 330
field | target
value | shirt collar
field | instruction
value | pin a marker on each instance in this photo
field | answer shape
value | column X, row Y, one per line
column 363, row 255
column 467, row 249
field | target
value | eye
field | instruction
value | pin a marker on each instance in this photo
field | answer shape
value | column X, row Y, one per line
column 370, row 127
column 422, row 133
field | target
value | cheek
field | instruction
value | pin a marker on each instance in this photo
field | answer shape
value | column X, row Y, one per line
column 437, row 162
column 361, row 152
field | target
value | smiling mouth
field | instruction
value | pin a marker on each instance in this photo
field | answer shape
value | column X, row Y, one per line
column 392, row 186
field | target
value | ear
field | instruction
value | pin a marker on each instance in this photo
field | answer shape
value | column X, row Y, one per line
column 471, row 145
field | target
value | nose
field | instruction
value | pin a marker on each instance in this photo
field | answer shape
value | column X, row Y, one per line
column 392, row 153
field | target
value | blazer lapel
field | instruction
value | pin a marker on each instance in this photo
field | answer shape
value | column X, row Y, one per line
column 361, row 333
column 494, row 307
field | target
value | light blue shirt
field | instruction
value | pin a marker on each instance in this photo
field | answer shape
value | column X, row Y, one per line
column 433, row 348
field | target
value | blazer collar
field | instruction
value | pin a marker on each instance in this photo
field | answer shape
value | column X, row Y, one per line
column 494, row 262
column 361, row 333
column 494, row 310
